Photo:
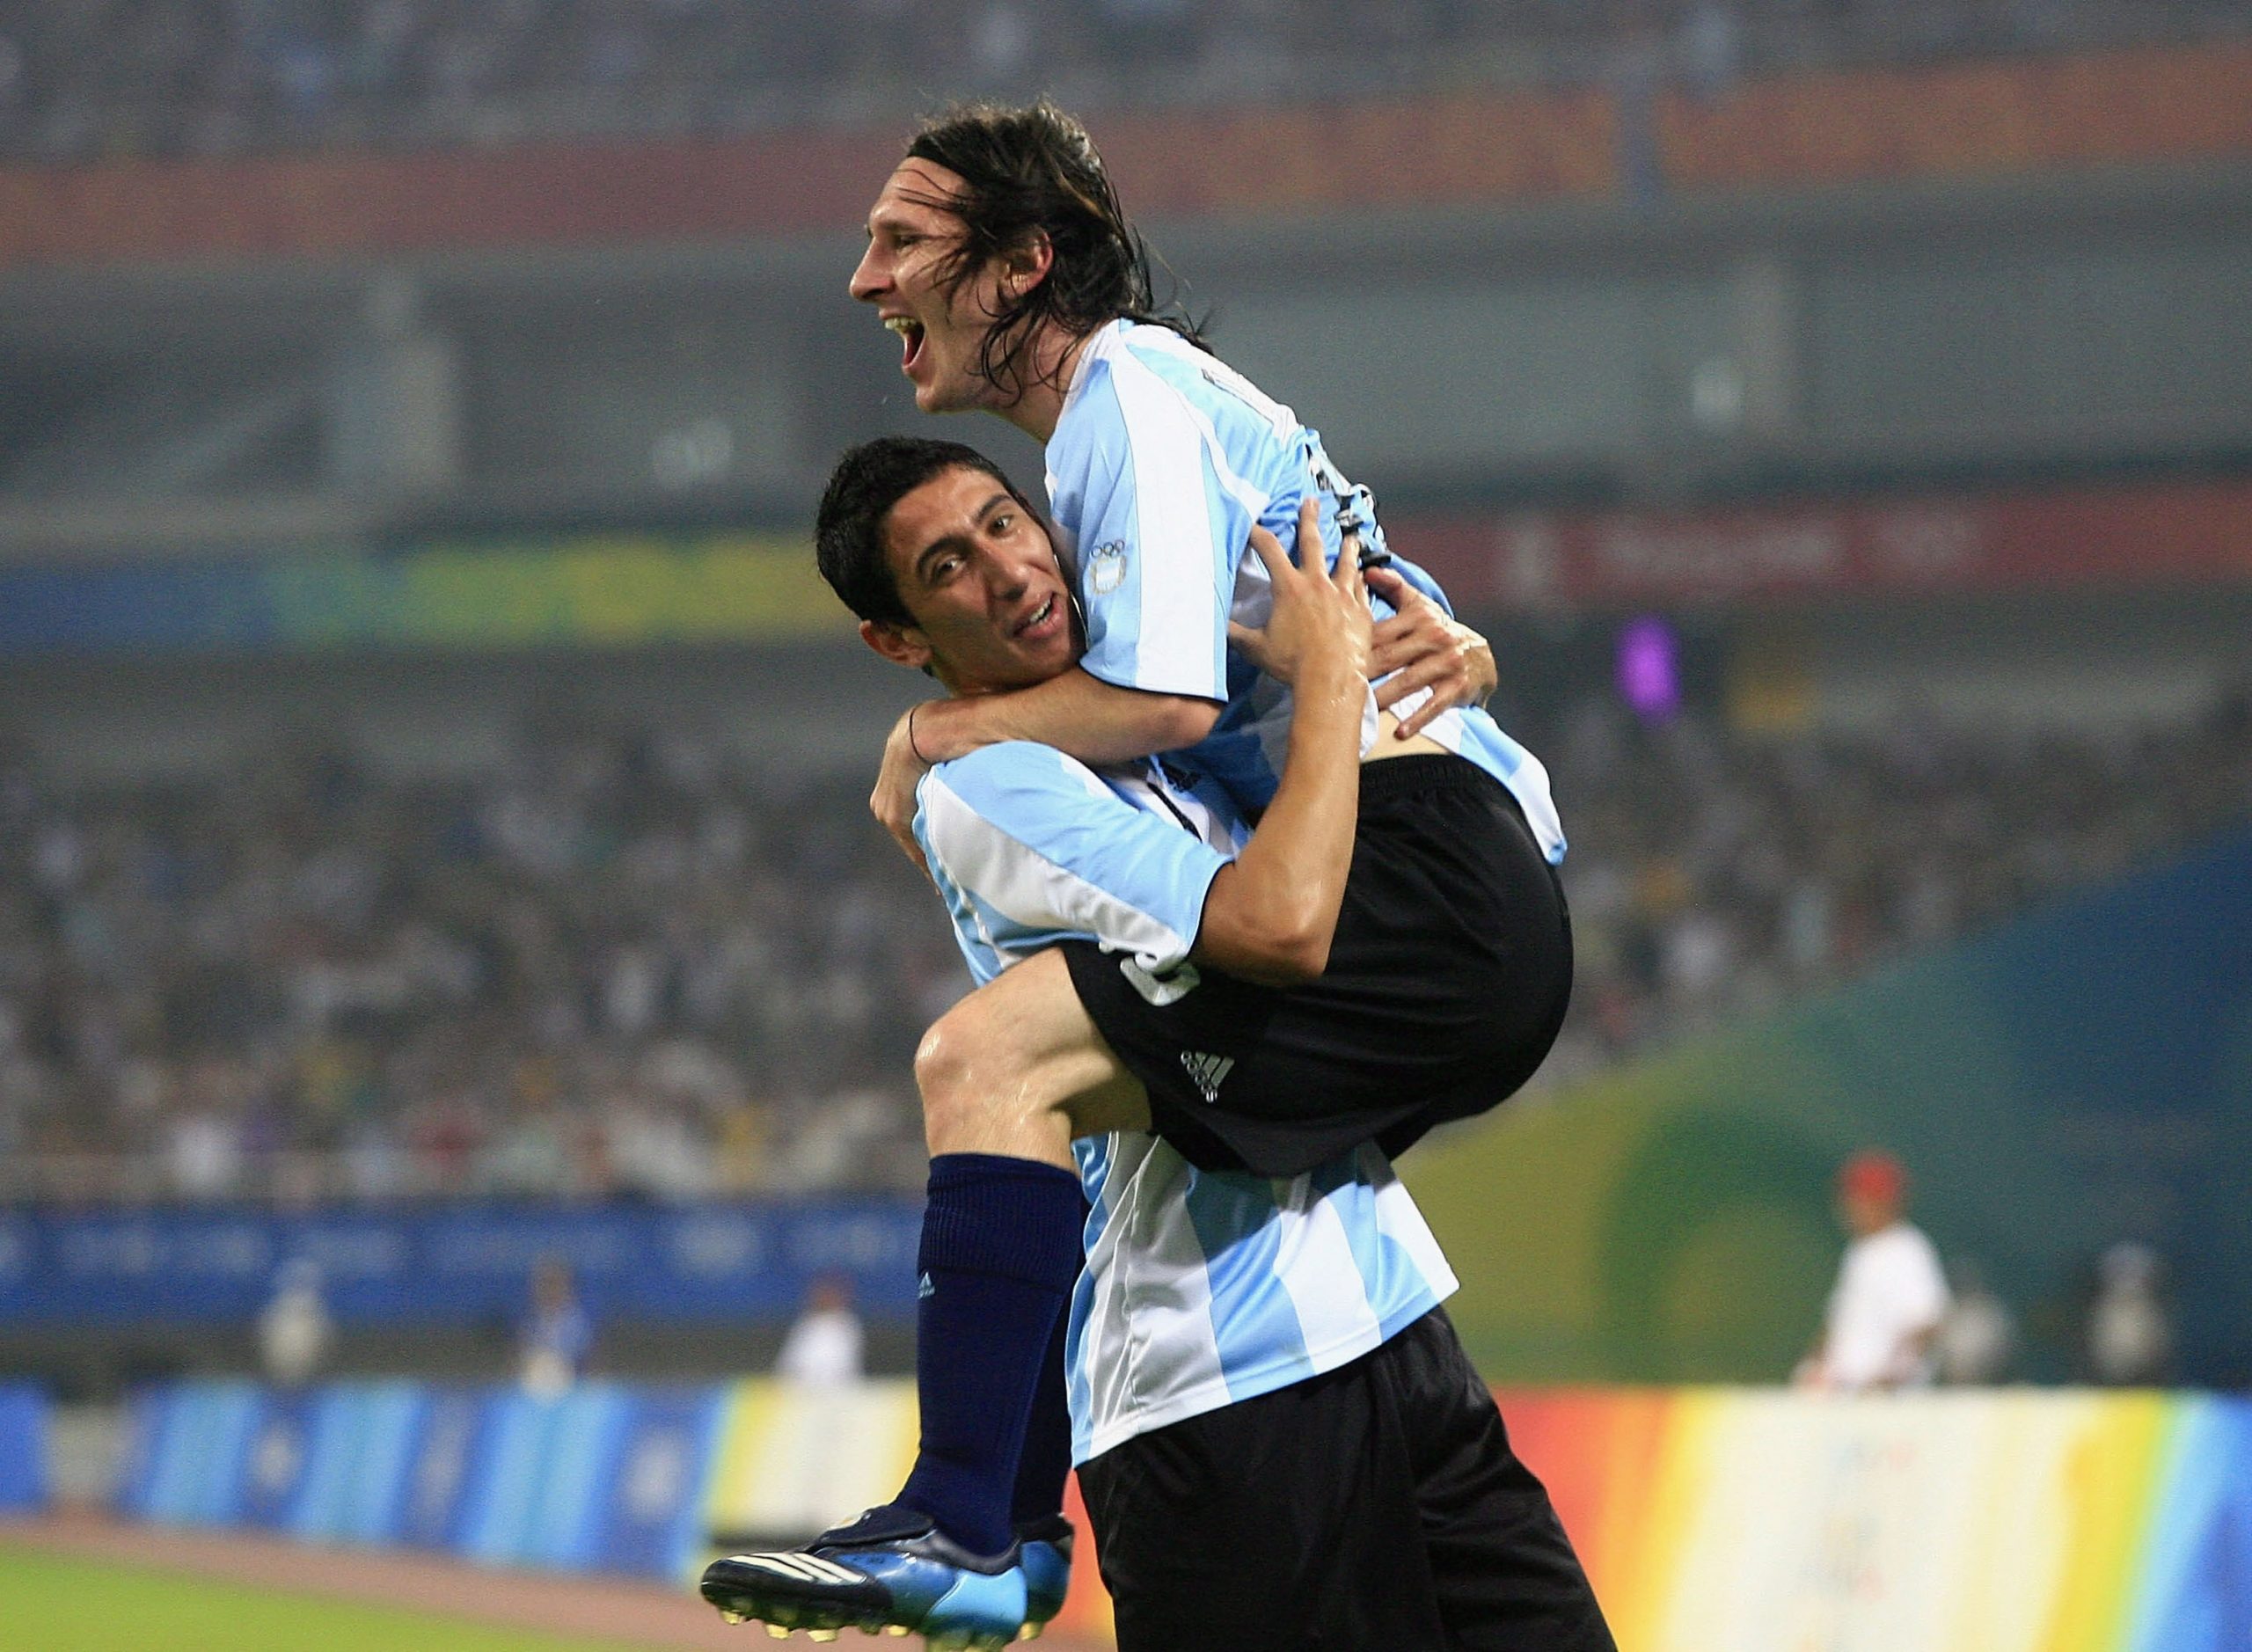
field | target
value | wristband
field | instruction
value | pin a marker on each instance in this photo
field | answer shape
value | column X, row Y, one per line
column 912, row 746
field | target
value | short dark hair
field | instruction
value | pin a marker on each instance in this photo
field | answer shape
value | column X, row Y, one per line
column 849, row 529
column 1030, row 170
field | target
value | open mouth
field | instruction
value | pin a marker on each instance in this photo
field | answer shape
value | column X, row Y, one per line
column 911, row 335
column 1037, row 620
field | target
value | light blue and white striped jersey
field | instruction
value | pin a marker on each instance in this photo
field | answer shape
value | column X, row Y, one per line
column 1030, row 847
column 1199, row 1289
column 1162, row 459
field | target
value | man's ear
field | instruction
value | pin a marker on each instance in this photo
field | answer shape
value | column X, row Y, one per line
column 1026, row 265
column 901, row 644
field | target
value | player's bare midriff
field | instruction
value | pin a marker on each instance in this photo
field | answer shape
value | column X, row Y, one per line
column 1388, row 744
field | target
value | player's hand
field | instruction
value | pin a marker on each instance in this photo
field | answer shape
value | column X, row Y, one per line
column 893, row 802
column 1320, row 621
column 1424, row 647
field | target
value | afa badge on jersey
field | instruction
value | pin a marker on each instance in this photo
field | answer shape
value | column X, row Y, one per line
column 1107, row 567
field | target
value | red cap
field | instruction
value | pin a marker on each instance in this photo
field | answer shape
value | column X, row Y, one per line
column 1873, row 1173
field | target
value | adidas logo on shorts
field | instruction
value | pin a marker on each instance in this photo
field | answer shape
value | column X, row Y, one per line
column 1207, row 1072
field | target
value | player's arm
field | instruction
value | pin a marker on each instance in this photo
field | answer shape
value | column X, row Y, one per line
column 1421, row 646
column 1094, row 721
column 1272, row 912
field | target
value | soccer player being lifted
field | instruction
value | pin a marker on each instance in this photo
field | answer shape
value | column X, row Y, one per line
column 1281, row 1440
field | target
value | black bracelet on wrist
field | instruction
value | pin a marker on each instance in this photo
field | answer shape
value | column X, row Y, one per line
column 912, row 746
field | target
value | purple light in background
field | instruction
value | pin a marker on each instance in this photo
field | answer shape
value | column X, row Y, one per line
column 1649, row 680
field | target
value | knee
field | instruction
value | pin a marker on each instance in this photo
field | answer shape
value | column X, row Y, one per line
column 957, row 1066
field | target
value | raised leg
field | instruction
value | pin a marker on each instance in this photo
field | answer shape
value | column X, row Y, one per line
column 1008, row 1077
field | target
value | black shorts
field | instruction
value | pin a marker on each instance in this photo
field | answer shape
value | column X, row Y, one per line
column 1376, row 1507
column 1447, row 982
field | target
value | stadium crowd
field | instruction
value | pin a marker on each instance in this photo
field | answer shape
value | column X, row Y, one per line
column 619, row 964
column 85, row 80
column 630, row 963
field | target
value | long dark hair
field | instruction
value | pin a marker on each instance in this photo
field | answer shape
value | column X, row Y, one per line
column 1027, row 170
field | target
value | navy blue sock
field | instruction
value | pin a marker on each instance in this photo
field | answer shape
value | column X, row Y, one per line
column 1045, row 1463
column 1000, row 1252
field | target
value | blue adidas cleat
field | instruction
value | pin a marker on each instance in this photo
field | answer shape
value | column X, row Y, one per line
column 1044, row 1550
column 891, row 1570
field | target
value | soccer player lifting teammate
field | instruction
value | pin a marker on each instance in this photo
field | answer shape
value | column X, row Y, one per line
column 998, row 254
column 1225, row 1322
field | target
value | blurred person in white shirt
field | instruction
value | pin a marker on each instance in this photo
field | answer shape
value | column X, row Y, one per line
column 822, row 1349
column 295, row 1331
column 1891, row 1298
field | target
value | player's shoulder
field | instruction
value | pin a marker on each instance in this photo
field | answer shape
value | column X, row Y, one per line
column 1136, row 373
column 1111, row 368
column 1203, row 380
column 1013, row 770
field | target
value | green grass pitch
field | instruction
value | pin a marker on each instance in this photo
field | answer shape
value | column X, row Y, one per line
column 51, row 1603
